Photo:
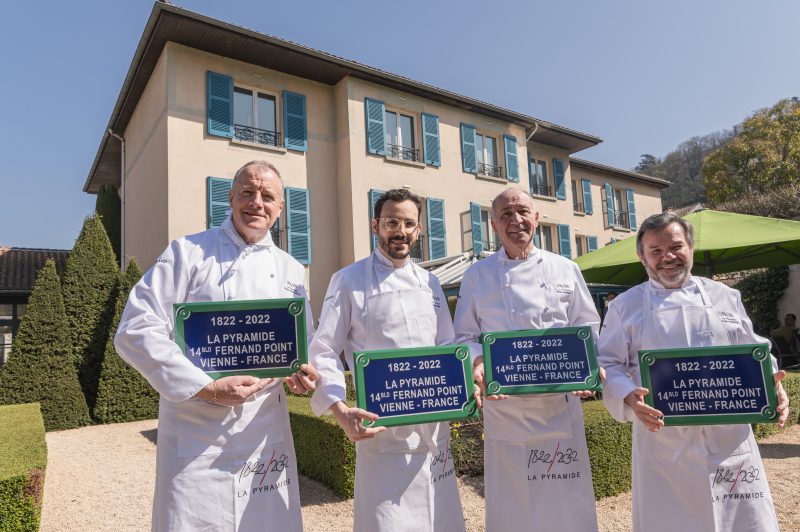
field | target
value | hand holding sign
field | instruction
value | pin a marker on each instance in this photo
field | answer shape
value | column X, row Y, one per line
column 232, row 391
column 649, row 416
column 303, row 381
column 479, row 376
column 350, row 419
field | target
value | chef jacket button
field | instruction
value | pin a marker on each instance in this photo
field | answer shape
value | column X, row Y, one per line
column 272, row 275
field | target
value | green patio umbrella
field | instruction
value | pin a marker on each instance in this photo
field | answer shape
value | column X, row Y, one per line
column 723, row 242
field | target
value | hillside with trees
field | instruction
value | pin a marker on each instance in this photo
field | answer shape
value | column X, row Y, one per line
column 759, row 156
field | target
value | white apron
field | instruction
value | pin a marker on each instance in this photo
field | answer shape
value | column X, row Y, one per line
column 227, row 468
column 695, row 478
column 401, row 483
column 536, row 462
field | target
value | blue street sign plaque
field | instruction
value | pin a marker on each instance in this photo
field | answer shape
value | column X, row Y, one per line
column 261, row 338
column 540, row 361
column 710, row 385
column 419, row 385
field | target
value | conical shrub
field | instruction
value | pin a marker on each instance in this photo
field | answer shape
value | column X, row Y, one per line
column 108, row 207
column 89, row 283
column 123, row 394
column 39, row 368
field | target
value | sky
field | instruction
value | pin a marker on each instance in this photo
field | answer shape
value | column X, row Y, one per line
column 642, row 75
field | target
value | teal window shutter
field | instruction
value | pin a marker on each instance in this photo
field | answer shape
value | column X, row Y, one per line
column 219, row 90
column 373, row 197
column 586, row 187
column 536, row 237
column 591, row 242
column 631, row 208
column 217, row 200
column 430, row 140
column 376, row 129
column 477, row 239
column 468, row 157
column 295, row 129
column 560, row 182
column 512, row 167
column 437, row 234
column 564, row 245
column 298, row 224
column 610, row 204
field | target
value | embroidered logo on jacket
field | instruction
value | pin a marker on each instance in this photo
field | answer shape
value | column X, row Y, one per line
column 294, row 288
column 564, row 288
column 728, row 317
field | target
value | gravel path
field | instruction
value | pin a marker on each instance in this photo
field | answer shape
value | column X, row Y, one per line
column 102, row 478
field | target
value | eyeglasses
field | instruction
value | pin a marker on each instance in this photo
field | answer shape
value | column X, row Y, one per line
column 395, row 224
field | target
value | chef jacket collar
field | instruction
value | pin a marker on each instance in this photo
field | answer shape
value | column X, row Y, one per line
column 233, row 234
column 658, row 286
column 383, row 260
column 534, row 254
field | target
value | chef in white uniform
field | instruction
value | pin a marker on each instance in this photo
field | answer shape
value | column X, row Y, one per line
column 225, row 458
column 405, row 477
column 688, row 478
column 536, row 462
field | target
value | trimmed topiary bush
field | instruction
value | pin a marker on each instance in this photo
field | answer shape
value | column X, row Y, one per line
column 792, row 386
column 39, row 368
column 609, row 445
column 323, row 451
column 109, row 208
column 23, row 458
column 89, row 283
column 760, row 294
column 123, row 394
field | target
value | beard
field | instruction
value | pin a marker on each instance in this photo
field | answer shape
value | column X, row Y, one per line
column 673, row 278
column 390, row 245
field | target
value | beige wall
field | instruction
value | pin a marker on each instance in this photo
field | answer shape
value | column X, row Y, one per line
column 146, row 147
column 447, row 182
column 170, row 155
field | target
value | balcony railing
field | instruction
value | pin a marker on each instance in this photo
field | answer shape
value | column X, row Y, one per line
column 255, row 135
column 401, row 152
column 577, row 206
column 490, row 170
column 541, row 190
column 278, row 236
column 416, row 253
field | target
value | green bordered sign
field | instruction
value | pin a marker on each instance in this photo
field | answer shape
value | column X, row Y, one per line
column 420, row 385
column 262, row 338
column 540, row 361
column 710, row 385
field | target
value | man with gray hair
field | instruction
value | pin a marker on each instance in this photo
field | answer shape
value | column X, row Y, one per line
column 528, row 484
column 684, row 478
column 225, row 458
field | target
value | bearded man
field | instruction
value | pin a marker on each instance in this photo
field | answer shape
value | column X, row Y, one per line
column 688, row 478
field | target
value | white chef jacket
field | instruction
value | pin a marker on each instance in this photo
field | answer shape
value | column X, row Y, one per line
column 342, row 323
column 620, row 339
column 684, row 477
column 541, row 291
column 195, row 438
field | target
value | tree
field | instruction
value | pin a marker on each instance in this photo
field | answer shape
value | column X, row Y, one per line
column 123, row 394
column 109, row 208
column 764, row 155
column 90, row 279
column 647, row 163
column 39, row 368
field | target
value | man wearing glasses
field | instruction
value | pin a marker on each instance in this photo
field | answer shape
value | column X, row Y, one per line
column 385, row 302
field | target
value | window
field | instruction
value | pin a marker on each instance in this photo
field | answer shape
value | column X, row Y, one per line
column 577, row 204
column 544, row 237
column 540, row 186
column 619, row 207
column 486, row 155
column 477, row 233
column 10, row 316
column 247, row 114
column 254, row 117
column 491, row 242
column 580, row 245
column 400, row 143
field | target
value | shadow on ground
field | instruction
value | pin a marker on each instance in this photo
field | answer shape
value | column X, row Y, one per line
column 779, row 450
column 151, row 435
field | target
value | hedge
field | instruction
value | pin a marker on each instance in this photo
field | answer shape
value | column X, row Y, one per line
column 39, row 369
column 90, row 279
column 123, row 394
column 109, row 208
column 325, row 454
column 23, row 458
